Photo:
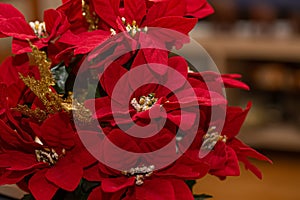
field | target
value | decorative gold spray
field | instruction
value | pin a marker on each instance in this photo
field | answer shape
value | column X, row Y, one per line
column 52, row 101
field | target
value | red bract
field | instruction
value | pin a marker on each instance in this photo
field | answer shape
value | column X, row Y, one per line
column 23, row 157
column 148, row 185
column 73, row 10
column 179, row 95
column 132, row 18
column 124, row 188
column 159, row 123
column 223, row 149
column 194, row 8
column 229, row 150
column 103, row 147
column 83, row 43
column 198, row 8
column 234, row 120
column 136, row 14
column 13, row 24
column 14, row 91
column 79, row 39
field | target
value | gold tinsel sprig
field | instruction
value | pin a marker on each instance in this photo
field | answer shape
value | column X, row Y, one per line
column 52, row 101
column 42, row 88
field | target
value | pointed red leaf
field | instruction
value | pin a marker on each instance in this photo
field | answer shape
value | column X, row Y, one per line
column 12, row 140
column 180, row 24
column 57, row 131
column 56, row 23
column 109, row 81
column 8, row 11
column 40, row 187
column 181, row 190
column 231, row 166
column 116, row 184
column 107, row 11
column 17, row 28
column 152, row 189
column 230, row 81
column 96, row 194
column 235, row 118
column 9, row 74
column 20, row 46
column 17, row 160
column 13, row 177
column 243, row 152
column 66, row 174
column 134, row 10
column 165, row 8
column 198, row 8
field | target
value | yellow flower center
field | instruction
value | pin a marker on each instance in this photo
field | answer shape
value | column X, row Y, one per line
column 47, row 155
column 140, row 173
column 211, row 138
column 39, row 29
column 144, row 103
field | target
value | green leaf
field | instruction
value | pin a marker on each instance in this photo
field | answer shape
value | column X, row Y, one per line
column 60, row 76
column 28, row 197
column 202, row 196
column 191, row 184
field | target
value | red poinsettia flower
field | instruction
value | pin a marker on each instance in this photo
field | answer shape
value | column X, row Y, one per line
column 228, row 150
column 55, row 159
column 142, row 180
column 179, row 95
column 154, row 188
column 124, row 188
column 79, row 39
column 129, row 17
column 222, row 150
column 197, row 88
column 13, row 24
column 14, row 91
column 235, row 119
column 136, row 14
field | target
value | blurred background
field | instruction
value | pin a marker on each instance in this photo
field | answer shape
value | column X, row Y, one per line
column 259, row 39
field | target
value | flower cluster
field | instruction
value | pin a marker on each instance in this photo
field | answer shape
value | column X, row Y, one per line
column 59, row 135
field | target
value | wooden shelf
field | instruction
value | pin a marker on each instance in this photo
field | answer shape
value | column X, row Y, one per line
column 227, row 49
column 12, row 191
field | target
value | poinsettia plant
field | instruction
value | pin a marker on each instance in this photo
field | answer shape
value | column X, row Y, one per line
column 95, row 105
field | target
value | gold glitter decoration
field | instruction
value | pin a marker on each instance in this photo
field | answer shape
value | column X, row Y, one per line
column 52, row 101
column 79, row 111
column 36, row 114
column 91, row 18
column 41, row 88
